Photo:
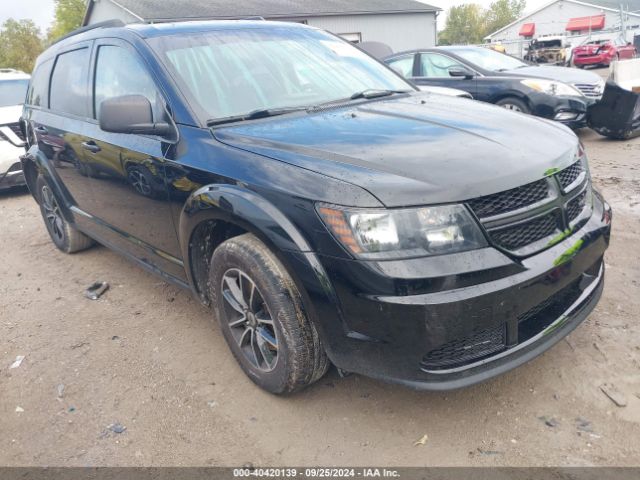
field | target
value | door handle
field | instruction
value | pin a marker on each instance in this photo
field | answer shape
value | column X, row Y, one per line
column 91, row 146
column 41, row 130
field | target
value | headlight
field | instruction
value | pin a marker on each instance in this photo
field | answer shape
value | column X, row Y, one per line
column 552, row 88
column 413, row 232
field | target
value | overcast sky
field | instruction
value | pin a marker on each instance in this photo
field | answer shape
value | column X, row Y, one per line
column 41, row 11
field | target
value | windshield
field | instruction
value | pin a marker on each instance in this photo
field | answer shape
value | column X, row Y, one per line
column 13, row 92
column 228, row 73
column 489, row 59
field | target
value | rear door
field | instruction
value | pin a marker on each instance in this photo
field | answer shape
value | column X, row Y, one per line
column 131, row 200
column 58, row 117
column 434, row 69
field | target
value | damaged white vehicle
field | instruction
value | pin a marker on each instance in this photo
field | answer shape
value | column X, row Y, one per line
column 13, row 90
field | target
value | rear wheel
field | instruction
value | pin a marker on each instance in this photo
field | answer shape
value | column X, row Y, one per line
column 262, row 318
column 63, row 235
column 514, row 104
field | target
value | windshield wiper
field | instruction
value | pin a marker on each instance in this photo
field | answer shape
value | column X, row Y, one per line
column 254, row 115
column 374, row 93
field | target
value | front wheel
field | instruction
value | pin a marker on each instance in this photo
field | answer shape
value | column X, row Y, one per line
column 514, row 104
column 262, row 317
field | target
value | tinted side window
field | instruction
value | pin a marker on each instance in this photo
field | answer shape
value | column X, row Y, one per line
column 119, row 72
column 39, row 87
column 435, row 65
column 68, row 83
column 404, row 66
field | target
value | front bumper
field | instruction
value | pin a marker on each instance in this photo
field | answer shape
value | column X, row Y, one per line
column 442, row 323
column 570, row 111
column 10, row 168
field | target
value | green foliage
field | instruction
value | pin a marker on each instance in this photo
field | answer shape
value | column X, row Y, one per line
column 502, row 12
column 465, row 24
column 68, row 17
column 20, row 44
column 470, row 23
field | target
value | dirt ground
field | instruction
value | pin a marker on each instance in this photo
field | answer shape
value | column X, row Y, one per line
column 147, row 357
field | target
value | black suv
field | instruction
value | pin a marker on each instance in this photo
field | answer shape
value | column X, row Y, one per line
column 325, row 209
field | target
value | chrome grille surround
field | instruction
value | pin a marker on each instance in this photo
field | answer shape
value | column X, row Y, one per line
column 525, row 228
column 591, row 90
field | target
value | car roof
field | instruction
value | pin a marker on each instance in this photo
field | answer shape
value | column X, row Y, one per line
column 147, row 30
column 442, row 48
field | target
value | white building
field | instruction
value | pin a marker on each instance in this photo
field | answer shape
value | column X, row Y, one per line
column 578, row 20
column 401, row 24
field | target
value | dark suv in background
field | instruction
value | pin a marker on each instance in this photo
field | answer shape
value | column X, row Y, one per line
column 323, row 207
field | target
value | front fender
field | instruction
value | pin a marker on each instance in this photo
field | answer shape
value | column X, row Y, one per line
column 241, row 207
column 255, row 214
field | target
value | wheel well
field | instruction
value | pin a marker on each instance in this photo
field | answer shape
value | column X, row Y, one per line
column 521, row 98
column 30, row 175
column 205, row 238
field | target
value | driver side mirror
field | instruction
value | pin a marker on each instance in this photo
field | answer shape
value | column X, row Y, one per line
column 461, row 72
column 130, row 114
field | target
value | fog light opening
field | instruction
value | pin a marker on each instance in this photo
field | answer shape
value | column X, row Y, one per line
column 565, row 116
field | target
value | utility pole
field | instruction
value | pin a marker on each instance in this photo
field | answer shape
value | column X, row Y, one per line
column 623, row 22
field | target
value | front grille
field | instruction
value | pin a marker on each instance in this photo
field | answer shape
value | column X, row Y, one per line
column 481, row 343
column 536, row 319
column 510, row 200
column 570, row 174
column 520, row 235
column 15, row 127
column 515, row 219
column 593, row 90
column 576, row 206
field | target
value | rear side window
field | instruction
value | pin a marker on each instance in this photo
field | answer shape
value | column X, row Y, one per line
column 39, row 88
column 119, row 72
column 13, row 92
column 68, row 83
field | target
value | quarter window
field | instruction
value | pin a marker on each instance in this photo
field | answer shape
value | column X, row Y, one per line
column 37, row 94
column 119, row 72
column 434, row 65
column 68, row 83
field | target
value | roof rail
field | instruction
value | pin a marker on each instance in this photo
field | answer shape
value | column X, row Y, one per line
column 252, row 17
column 106, row 24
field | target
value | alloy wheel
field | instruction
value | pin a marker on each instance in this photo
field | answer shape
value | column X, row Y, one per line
column 249, row 320
column 512, row 107
column 52, row 213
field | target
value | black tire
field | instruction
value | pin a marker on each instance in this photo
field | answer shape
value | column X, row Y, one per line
column 63, row 235
column 297, row 358
column 514, row 104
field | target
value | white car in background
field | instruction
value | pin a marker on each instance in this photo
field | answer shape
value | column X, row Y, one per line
column 13, row 90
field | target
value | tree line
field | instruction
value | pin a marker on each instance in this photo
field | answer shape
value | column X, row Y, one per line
column 471, row 23
column 21, row 41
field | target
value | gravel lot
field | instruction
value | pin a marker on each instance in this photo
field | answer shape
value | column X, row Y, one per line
column 148, row 357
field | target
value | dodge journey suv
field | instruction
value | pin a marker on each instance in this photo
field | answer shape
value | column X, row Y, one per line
column 324, row 209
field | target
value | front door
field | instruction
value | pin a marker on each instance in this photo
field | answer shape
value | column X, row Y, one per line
column 130, row 203
column 434, row 69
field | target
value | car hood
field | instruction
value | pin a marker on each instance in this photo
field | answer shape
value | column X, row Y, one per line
column 561, row 74
column 413, row 150
column 10, row 114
